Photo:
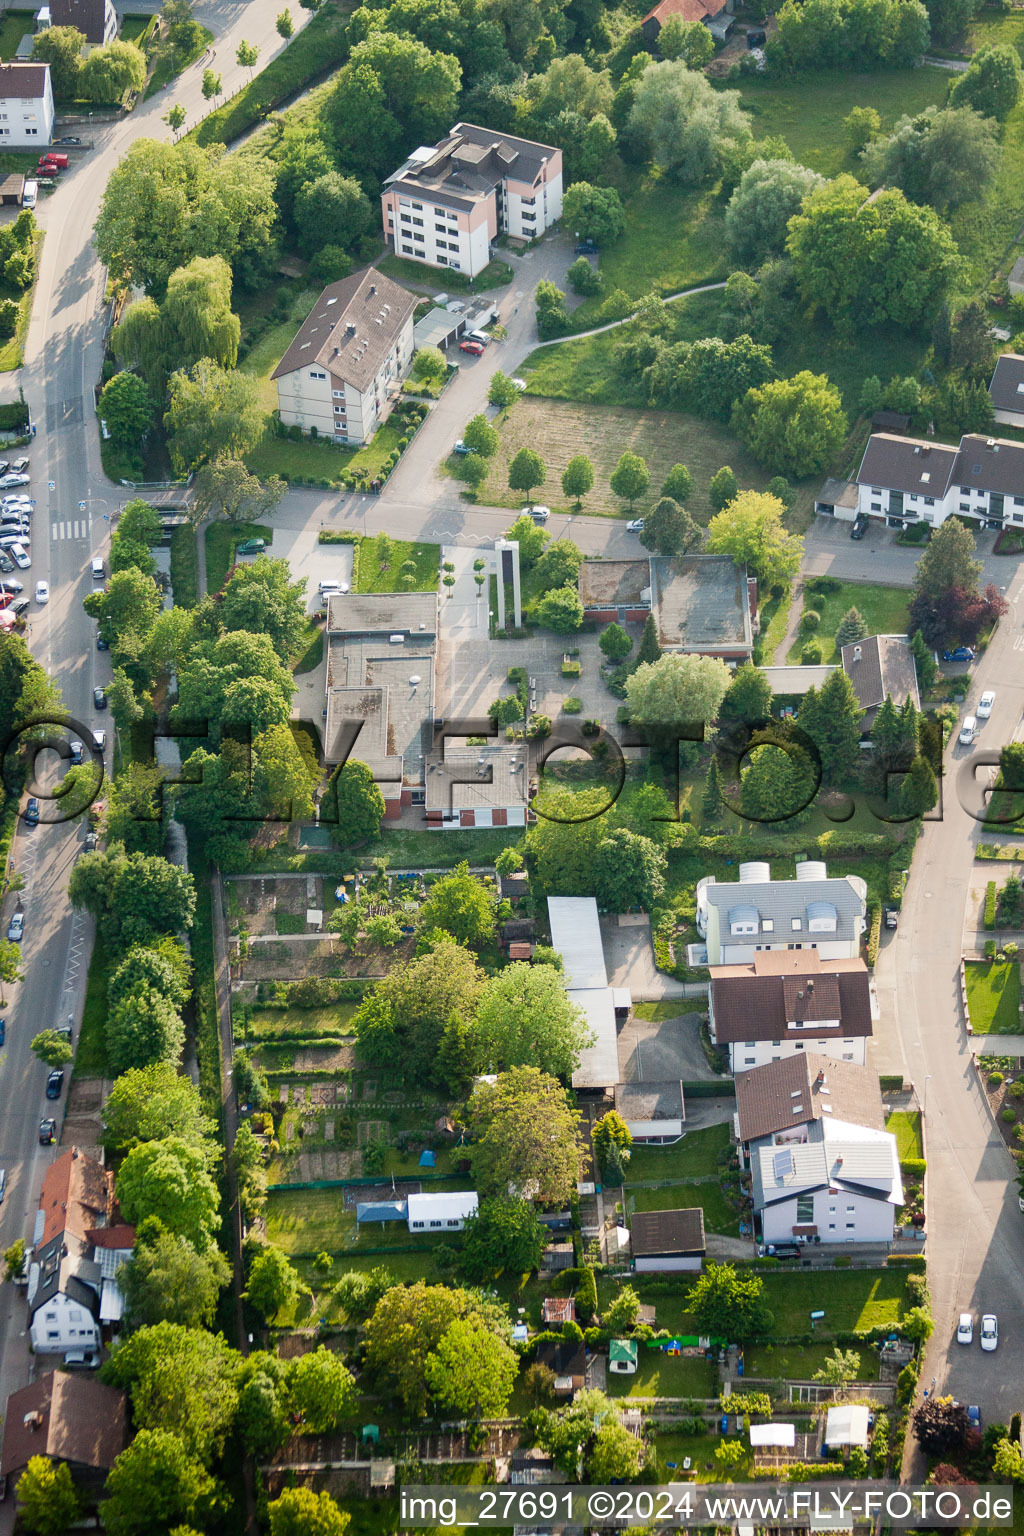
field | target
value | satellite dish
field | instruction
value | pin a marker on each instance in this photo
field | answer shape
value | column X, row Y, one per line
column 415, row 679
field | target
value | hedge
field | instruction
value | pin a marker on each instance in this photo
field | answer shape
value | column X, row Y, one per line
column 311, row 992
column 990, row 904
column 891, row 1083
column 13, row 416
column 722, row 1088
column 912, row 1261
column 913, row 1167
column 874, row 932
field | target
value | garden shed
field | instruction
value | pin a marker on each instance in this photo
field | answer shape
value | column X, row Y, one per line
column 847, row 1425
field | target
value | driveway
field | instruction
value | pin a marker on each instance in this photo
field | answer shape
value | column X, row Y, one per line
column 308, row 559
column 829, row 551
column 663, row 1050
column 629, row 957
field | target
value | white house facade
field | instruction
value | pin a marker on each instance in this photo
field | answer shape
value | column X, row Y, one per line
column 832, row 1190
column 343, row 371
column 738, row 919
column 445, row 1212
column 912, row 480
column 26, row 106
column 448, row 202
column 789, row 1003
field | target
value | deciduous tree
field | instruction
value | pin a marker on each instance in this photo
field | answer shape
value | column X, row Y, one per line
column 560, row 609
column 301, row 1512
column 333, row 210
column 480, row 437
column 770, row 192
column 630, row 871
column 273, row 1283
column 669, row 529
column 471, row 1371
column 111, row 71
column 630, row 477
column 578, row 478
column 168, row 1280
column 940, row 1426
column 723, row 489
column 169, row 1179
column 991, row 83
column 526, row 470
column 408, row 1324
column 182, row 1380
column 462, row 905
column 211, row 412
column 61, row 48
column 527, row 1137
column 126, row 406
column 728, row 1303
column 48, row 1501
column 155, row 1483
column 750, row 530
column 352, row 804
column 676, row 691
column 525, row 1016
column 262, row 599
column 503, row 1236
column 593, row 213
column 792, row 426
column 683, row 124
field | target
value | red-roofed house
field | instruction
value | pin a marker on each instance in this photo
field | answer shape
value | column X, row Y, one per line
column 716, row 16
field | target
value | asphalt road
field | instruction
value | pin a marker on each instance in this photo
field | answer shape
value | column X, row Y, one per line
column 63, row 359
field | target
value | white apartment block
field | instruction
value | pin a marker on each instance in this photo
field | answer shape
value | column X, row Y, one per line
column 913, row 480
column 26, row 106
column 448, row 203
column 738, row 918
column 342, row 373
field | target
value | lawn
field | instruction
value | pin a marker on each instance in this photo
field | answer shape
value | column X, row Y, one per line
column 266, row 1023
column 403, row 847
column 317, row 461
column 311, row 1221
column 671, row 1451
column 774, row 623
column 673, row 240
column 12, row 352
column 373, row 577
column 808, row 110
column 222, row 539
column 264, row 355
column 321, row 45
column 661, row 1375
column 905, row 1125
column 795, row 1362
column 696, row 1155
column 91, row 1049
column 185, row 566
column 883, row 609
column 173, row 63
column 720, row 1214
column 993, row 996
column 13, row 27
column 559, row 429
column 496, row 274
column 851, row 1299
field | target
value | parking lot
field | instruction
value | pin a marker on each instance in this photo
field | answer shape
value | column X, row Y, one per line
column 309, row 559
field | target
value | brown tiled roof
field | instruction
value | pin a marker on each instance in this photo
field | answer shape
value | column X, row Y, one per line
column 351, row 329
column 558, row 1309
column 753, row 1002
column 654, row 1232
column 687, row 10
column 1007, row 386
column 73, row 1418
column 76, row 1190
column 24, row 82
column 881, row 665
column 801, row 1088
column 112, row 1237
column 89, row 16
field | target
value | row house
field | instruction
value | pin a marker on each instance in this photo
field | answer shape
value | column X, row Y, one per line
column 910, row 480
column 789, row 1003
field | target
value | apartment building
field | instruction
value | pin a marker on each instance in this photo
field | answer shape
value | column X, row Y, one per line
column 342, row 373
column 97, row 19
column 448, row 203
column 738, row 918
column 912, row 480
column 789, row 1003
column 26, row 106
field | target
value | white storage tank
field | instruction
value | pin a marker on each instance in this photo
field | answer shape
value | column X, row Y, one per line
column 811, row 869
column 755, row 873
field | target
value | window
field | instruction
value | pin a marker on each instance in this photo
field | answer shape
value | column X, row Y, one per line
column 455, row 1223
column 929, row 501
column 831, row 1226
column 768, row 925
column 418, row 223
column 417, row 237
column 442, row 261
column 876, row 506
column 435, row 1223
column 317, row 373
column 804, row 1209
column 418, row 207
column 796, row 923
column 850, row 1208
column 53, row 1333
column 750, row 1061
column 417, row 1223
column 965, row 506
column 851, row 1226
column 847, row 1055
column 407, row 250
column 799, row 1045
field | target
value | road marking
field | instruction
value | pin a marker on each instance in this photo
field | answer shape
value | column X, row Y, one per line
column 80, row 528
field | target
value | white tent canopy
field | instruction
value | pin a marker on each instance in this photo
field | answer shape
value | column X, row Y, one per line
column 773, row 1434
column 847, row 1425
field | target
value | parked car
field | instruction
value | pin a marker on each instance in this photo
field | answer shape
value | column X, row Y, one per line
column 538, row 513
column 989, row 1332
column 974, row 1416
column 985, row 704
column 780, row 1250
column 54, row 1083
column 42, row 591
column 635, row 526
column 473, row 347
column 11, row 478
column 968, row 731
column 82, row 1360
column 20, row 555
column 892, row 918
column 251, row 547
column 68, row 140
column 959, row 653
column 98, row 568
column 5, row 465
column 47, row 1131
column 860, row 526
column 11, row 587
column 20, row 466
column 77, row 752
column 965, row 1329
column 586, row 247
column 91, row 842
column 32, row 811
column 5, row 564
column 99, row 740
column 101, row 644
column 461, row 447
column 99, row 698
column 54, row 157
column 16, row 928
column 3, row 1031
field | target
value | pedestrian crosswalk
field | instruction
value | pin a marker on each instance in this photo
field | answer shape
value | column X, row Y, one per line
column 77, row 528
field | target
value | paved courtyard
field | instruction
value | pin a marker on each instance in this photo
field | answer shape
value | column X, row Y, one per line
column 306, row 557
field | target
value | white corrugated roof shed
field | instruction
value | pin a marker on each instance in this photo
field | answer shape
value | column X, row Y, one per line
column 599, row 1063
column 449, row 1205
column 576, row 934
column 847, row 1425
column 773, row 1434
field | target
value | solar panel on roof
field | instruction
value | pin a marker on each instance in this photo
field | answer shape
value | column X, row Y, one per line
column 783, row 1164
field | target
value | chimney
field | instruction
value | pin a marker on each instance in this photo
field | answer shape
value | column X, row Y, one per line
column 33, row 1420
column 821, row 1076
column 810, row 988
column 856, row 653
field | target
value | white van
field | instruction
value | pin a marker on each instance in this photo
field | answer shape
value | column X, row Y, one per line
column 333, row 588
column 968, row 731
column 30, row 194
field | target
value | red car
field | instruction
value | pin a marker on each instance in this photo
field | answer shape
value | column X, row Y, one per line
column 53, row 158
column 471, row 346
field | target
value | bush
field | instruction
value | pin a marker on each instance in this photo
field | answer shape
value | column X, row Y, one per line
column 874, row 932
column 891, row 1084
column 995, row 1078
column 586, row 1296
column 1008, row 1115
column 810, row 618
column 990, row 949
column 572, row 705
column 914, row 1167
column 990, row 904
column 1016, row 1090
column 824, row 586
column 811, row 653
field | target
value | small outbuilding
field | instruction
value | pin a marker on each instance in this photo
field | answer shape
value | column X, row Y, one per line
column 445, row 1212
column 556, row 1310
column 668, row 1240
column 847, row 1425
column 622, row 1356
column 762, row 1435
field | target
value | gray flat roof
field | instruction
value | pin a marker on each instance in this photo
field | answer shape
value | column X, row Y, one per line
column 576, row 934
column 700, row 603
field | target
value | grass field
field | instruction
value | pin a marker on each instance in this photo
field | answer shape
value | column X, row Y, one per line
column 334, row 1019
column 795, row 1362
column 662, row 1375
column 719, row 1215
column 883, row 609
column 808, row 110
column 318, row 460
column 13, row 27
column 496, row 274
column 993, row 996
column 222, row 539
column 671, row 1451
column 264, row 355
column 905, row 1125
column 558, row 429
column 697, row 1154
column 375, row 578
column 91, row 1049
column 851, row 1299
